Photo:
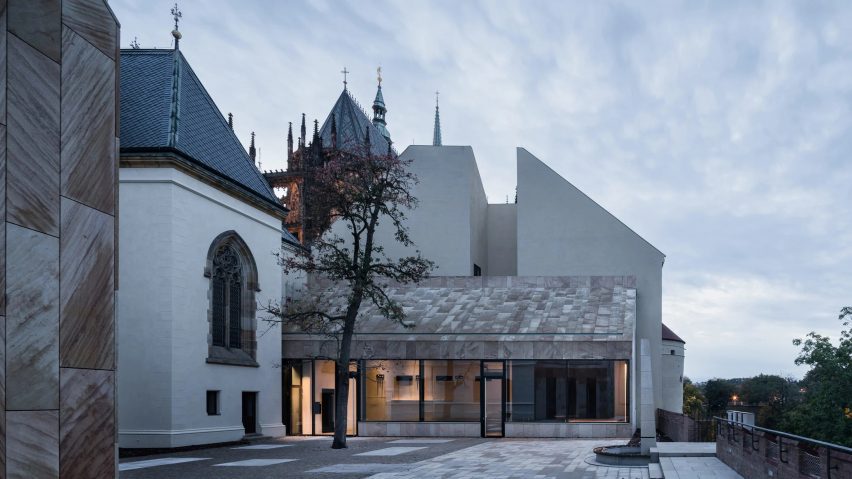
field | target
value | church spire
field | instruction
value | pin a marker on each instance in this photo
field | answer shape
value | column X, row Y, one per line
column 303, row 139
column 252, row 150
column 176, row 13
column 436, row 134
column 333, row 131
column 379, row 109
column 290, row 142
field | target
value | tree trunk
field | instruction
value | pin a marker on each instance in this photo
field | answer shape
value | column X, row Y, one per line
column 341, row 372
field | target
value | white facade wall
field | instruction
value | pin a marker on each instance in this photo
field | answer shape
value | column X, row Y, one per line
column 562, row 231
column 168, row 222
column 502, row 239
column 448, row 225
column 673, row 354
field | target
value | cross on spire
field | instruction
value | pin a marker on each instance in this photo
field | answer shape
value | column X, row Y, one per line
column 345, row 72
column 379, row 73
column 177, row 15
column 436, row 97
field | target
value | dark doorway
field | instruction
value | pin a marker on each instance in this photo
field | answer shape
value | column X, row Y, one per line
column 250, row 412
column 327, row 410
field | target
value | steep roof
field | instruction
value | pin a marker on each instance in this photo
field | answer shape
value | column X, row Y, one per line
column 669, row 335
column 165, row 106
column 352, row 125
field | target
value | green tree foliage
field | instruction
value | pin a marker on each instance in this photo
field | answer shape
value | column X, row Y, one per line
column 693, row 399
column 773, row 395
column 718, row 392
column 826, row 409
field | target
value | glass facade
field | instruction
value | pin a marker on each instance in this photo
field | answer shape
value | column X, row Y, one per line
column 545, row 391
column 567, row 391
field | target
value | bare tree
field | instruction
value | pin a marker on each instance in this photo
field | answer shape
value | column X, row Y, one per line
column 361, row 191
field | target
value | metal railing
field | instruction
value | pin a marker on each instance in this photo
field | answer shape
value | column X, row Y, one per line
column 777, row 446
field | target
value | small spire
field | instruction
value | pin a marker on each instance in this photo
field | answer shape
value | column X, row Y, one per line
column 367, row 141
column 252, row 150
column 334, row 131
column 436, row 134
column 176, row 13
column 316, row 128
column 231, row 121
column 134, row 44
column 302, row 139
column 345, row 72
column 290, row 142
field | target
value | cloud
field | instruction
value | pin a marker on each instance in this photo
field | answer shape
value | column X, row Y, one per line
column 719, row 131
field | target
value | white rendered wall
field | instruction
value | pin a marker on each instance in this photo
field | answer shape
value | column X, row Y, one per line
column 502, row 227
column 561, row 231
column 168, row 222
column 673, row 355
column 448, row 226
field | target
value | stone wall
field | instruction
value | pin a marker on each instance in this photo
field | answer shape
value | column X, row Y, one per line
column 757, row 454
column 58, row 124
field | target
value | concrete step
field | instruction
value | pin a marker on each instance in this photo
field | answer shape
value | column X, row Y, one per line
column 683, row 449
column 655, row 471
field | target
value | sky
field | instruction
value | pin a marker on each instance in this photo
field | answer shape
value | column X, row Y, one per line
column 719, row 131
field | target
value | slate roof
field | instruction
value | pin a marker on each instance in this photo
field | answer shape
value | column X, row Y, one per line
column 669, row 335
column 578, row 308
column 164, row 105
column 352, row 124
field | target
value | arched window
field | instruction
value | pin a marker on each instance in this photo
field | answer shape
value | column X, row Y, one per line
column 233, row 283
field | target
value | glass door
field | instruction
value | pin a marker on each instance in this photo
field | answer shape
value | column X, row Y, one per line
column 492, row 398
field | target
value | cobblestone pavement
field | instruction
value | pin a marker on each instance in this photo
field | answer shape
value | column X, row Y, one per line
column 515, row 458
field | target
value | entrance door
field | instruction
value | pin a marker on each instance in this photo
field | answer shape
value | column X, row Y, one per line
column 327, row 410
column 492, row 402
column 250, row 412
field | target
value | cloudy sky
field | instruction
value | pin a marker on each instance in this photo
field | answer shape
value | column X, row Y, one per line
column 719, row 131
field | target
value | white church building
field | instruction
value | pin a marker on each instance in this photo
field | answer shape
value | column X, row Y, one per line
column 199, row 230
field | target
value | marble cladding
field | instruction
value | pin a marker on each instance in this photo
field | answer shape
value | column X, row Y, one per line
column 58, row 183
column 93, row 21
column 460, row 348
column 32, row 322
column 580, row 308
column 37, row 22
column 86, row 314
column 32, row 160
column 88, row 135
column 87, row 422
column 32, row 444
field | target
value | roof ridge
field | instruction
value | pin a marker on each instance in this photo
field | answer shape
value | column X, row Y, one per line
column 221, row 118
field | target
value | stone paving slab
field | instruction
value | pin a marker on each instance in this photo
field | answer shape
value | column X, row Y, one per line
column 696, row 468
column 521, row 459
column 686, row 449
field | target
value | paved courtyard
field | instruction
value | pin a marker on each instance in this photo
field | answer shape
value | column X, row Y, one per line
column 384, row 458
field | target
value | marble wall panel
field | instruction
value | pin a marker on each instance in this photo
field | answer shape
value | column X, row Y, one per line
column 86, row 325
column 88, row 136
column 32, row 444
column 32, row 323
column 87, row 423
column 2, row 214
column 2, row 395
column 94, row 22
column 3, row 17
column 32, row 161
column 37, row 22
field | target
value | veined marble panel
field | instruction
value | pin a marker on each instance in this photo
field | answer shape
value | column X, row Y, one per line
column 32, row 164
column 2, row 393
column 3, row 17
column 38, row 23
column 32, row 444
column 87, row 423
column 93, row 21
column 88, row 136
column 2, row 207
column 32, row 322
column 86, row 314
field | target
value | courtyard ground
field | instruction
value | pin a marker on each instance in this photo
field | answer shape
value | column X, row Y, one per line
column 384, row 458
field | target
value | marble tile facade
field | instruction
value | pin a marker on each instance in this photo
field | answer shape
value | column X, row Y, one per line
column 86, row 326
column 58, row 186
column 32, row 135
